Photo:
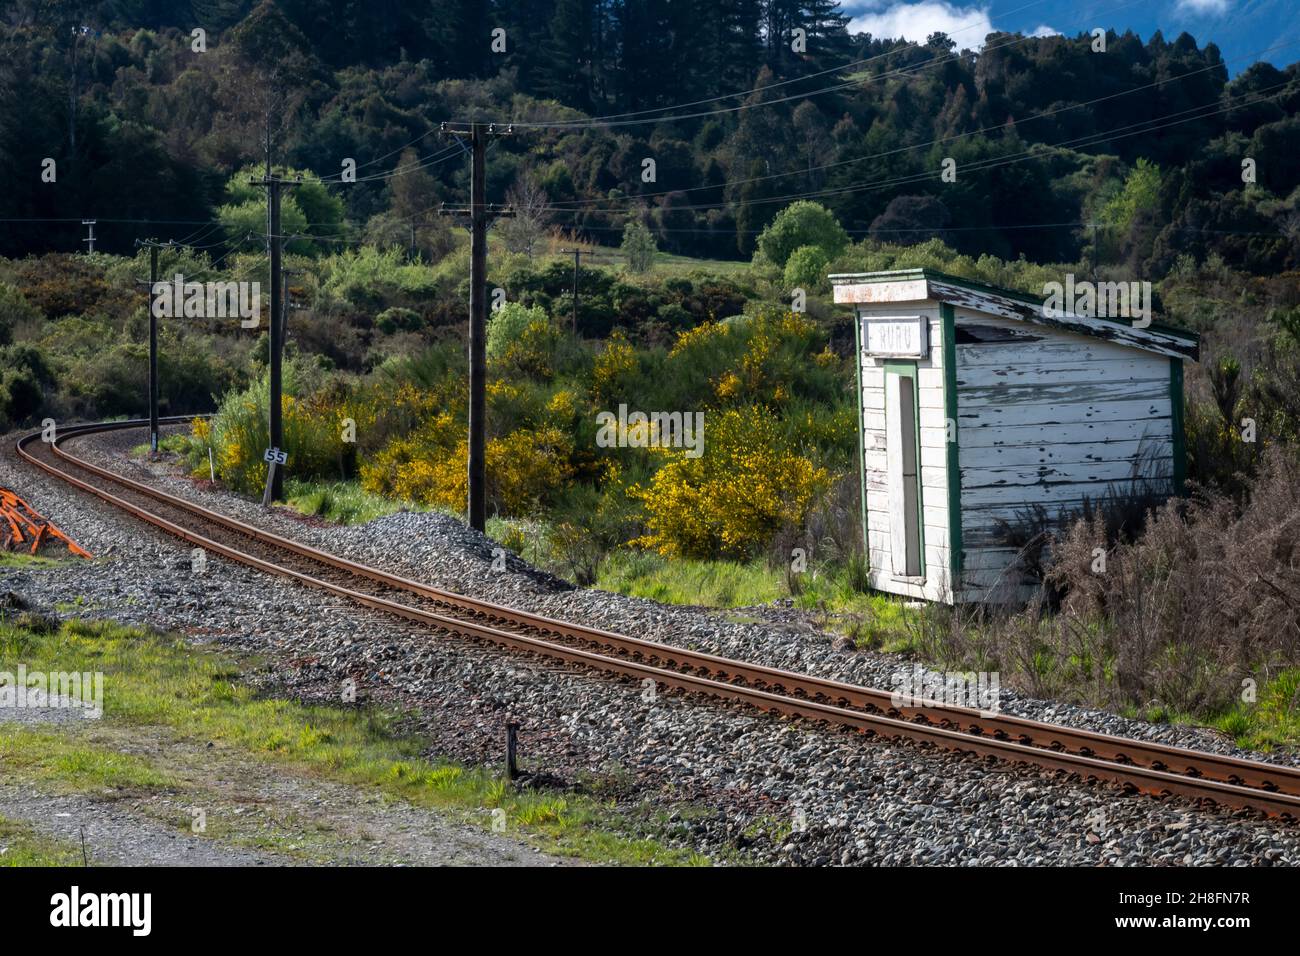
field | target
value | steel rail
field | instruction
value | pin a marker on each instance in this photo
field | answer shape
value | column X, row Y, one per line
column 1052, row 736
column 1148, row 767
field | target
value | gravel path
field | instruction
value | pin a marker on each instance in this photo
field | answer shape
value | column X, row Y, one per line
column 116, row 836
column 243, row 800
column 777, row 790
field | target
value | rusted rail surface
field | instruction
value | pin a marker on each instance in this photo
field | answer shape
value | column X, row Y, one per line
column 1148, row 767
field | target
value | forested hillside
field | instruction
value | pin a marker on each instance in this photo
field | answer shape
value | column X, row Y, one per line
column 742, row 105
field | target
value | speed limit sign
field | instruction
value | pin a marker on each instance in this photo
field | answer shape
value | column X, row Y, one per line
column 273, row 458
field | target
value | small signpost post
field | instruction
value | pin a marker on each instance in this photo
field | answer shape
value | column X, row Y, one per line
column 273, row 458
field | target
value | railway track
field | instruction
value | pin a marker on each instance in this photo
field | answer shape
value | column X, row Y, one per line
column 1146, row 767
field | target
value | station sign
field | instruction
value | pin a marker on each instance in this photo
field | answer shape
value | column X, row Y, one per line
column 896, row 336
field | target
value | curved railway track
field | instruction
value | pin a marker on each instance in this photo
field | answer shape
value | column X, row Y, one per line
column 1147, row 767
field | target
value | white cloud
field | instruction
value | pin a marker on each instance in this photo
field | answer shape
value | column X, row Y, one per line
column 1045, row 31
column 1203, row 6
column 916, row 21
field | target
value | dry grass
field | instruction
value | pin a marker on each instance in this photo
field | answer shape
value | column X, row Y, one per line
column 1182, row 618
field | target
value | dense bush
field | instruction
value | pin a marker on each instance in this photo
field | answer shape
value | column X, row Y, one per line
column 25, row 376
column 728, row 503
column 507, row 324
column 313, row 433
column 1204, row 599
column 397, row 319
column 806, row 268
column 14, row 309
column 802, row 223
column 525, row 468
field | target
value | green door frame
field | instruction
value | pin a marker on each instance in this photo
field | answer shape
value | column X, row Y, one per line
column 907, row 369
column 862, row 451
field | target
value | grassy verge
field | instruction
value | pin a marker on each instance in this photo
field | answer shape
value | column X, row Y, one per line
column 1029, row 656
column 837, row 592
column 722, row 584
column 20, row 845
column 341, row 502
column 172, row 444
column 196, row 694
column 1273, row 720
column 1269, row 722
column 21, row 559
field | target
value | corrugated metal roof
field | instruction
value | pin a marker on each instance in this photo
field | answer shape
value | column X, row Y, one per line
column 928, row 284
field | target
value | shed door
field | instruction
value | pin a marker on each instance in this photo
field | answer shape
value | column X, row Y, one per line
column 902, row 453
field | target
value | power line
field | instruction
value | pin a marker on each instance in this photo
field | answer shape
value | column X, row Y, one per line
column 615, row 119
column 587, row 204
column 1088, row 139
column 993, row 162
column 426, row 162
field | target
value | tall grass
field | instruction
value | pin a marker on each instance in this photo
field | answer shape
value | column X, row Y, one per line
column 1194, row 616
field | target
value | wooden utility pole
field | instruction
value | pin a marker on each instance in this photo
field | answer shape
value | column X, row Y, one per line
column 479, row 213
column 577, row 258
column 1095, row 250
column 286, row 305
column 153, row 346
column 153, row 352
column 275, row 243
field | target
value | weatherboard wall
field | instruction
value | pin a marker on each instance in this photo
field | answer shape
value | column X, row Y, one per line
column 1048, row 417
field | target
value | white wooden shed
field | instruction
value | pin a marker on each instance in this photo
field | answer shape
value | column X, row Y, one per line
column 977, row 403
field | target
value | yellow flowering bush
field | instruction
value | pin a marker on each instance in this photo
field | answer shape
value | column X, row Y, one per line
column 728, row 386
column 524, row 468
column 383, row 410
column 533, row 352
column 614, row 368
column 751, row 360
column 562, row 407
column 240, row 432
column 703, row 337
column 728, row 503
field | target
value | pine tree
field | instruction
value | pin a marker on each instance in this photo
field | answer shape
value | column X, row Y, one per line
column 569, row 54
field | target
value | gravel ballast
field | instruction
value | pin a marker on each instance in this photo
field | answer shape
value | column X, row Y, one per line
column 728, row 780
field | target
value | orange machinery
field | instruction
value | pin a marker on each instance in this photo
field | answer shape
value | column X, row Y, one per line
column 25, row 524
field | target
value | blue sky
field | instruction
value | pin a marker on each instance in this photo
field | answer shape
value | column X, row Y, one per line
column 1243, row 29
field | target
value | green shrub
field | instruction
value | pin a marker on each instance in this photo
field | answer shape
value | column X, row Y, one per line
column 802, row 223
column 638, row 247
column 313, row 434
column 806, row 268
column 25, row 377
column 398, row 319
column 675, row 317
column 507, row 326
column 14, row 308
